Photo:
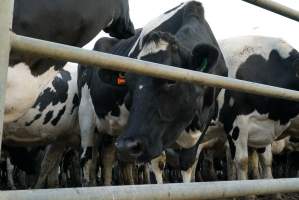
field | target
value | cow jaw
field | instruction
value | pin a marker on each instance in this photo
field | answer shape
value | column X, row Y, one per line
column 22, row 89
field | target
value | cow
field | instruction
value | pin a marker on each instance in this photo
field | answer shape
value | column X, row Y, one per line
column 68, row 22
column 52, row 121
column 179, row 37
column 256, row 121
column 161, row 110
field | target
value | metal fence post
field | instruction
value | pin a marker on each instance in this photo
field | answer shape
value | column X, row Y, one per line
column 276, row 8
column 6, row 15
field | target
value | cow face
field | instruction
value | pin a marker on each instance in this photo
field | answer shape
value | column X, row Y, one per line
column 161, row 109
column 121, row 25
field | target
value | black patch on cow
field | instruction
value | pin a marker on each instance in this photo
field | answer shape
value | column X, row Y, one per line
column 59, row 115
column 294, row 139
column 235, row 133
column 275, row 71
column 87, row 156
column 48, row 96
column 76, row 102
column 34, row 119
column 261, row 150
column 232, row 146
column 115, row 111
column 48, row 117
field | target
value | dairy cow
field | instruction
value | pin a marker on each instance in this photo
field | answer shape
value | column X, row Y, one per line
column 68, row 22
column 186, row 41
column 52, row 120
column 256, row 121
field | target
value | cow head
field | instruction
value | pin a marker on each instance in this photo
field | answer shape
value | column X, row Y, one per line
column 121, row 25
column 161, row 109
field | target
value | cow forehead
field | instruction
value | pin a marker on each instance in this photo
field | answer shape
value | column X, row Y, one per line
column 152, row 25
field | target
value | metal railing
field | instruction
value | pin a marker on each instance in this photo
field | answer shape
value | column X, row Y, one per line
column 186, row 191
column 212, row 190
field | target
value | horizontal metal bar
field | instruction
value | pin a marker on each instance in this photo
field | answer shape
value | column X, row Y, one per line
column 113, row 62
column 276, row 8
column 186, row 191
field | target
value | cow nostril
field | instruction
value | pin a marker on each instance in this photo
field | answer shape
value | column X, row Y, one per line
column 135, row 147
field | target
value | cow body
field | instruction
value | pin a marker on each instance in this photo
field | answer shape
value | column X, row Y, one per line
column 52, row 120
column 256, row 121
column 68, row 22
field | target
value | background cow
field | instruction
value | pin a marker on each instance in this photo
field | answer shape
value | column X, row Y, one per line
column 68, row 22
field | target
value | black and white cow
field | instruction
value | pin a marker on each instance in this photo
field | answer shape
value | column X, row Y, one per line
column 68, row 22
column 162, row 110
column 256, row 121
column 52, row 120
column 186, row 41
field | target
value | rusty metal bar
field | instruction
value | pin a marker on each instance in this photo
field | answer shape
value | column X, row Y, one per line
column 6, row 15
column 186, row 191
column 276, row 8
column 113, row 62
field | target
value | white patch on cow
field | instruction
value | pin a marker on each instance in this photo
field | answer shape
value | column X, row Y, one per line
column 231, row 102
column 187, row 175
column 23, row 87
column 18, row 131
column 155, row 167
column 259, row 129
column 87, row 118
column 278, row 146
column 220, row 101
column 153, row 47
column 140, row 87
column 114, row 125
column 237, row 50
column 188, row 139
column 153, row 25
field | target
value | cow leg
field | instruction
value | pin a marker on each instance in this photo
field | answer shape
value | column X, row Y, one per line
column 265, row 157
column 53, row 177
column 127, row 171
column 75, row 171
column 10, row 169
column 158, row 165
column 253, row 164
column 108, row 159
column 87, row 125
column 231, row 169
column 52, row 157
column 239, row 150
column 146, row 174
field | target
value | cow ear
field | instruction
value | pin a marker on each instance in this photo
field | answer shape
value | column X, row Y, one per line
column 113, row 78
column 204, row 57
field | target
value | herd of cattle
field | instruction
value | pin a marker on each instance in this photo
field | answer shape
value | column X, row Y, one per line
column 82, row 126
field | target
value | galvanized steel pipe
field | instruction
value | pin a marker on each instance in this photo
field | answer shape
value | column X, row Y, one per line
column 276, row 8
column 186, row 191
column 6, row 14
column 113, row 62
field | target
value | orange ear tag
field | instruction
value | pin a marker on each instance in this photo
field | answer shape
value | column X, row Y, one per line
column 121, row 80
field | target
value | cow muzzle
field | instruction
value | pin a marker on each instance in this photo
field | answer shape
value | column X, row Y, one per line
column 129, row 149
